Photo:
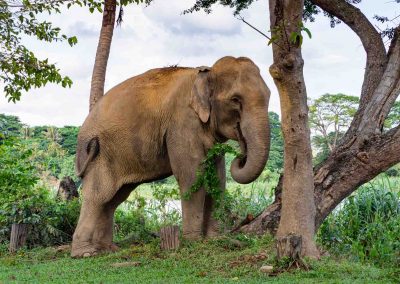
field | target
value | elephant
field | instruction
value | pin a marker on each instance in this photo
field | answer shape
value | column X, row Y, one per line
column 162, row 123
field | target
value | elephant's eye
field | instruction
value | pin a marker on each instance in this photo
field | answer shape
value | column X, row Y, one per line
column 235, row 99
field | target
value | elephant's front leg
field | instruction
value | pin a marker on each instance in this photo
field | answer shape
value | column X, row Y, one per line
column 212, row 226
column 185, row 160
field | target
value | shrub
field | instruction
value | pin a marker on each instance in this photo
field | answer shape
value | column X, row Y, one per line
column 52, row 222
column 23, row 201
column 139, row 219
column 366, row 226
column 56, row 224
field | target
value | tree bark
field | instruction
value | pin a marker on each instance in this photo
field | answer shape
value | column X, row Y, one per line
column 19, row 234
column 102, row 53
column 290, row 245
column 297, row 203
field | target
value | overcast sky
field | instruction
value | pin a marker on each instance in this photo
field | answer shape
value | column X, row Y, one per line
column 159, row 35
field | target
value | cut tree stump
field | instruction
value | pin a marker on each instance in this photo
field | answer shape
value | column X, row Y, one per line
column 67, row 189
column 169, row 236
column 19, row 233
column 289, row 246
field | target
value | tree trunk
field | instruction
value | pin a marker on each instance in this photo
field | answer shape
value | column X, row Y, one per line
column 290, row 245
column 19, row 233
column 169, row 237
column 365, row 150
column 102, row 53
column 297, row 205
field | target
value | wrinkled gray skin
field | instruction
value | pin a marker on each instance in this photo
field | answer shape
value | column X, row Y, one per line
column 163, row 122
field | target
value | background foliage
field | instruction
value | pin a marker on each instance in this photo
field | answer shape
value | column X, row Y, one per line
column 34, row 159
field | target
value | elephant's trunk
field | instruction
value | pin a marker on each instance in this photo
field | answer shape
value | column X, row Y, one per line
column 254, row 140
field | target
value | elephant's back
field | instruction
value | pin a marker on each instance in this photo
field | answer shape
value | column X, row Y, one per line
column 144, row 93
column 138, row 104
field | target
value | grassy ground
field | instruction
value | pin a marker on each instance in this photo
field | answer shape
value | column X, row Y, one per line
column 218, row 261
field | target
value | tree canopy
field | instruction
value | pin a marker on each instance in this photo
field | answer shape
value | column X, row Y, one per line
column 21, row 68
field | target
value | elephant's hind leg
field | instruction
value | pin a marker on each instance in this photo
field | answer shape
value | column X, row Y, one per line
column 94, row 232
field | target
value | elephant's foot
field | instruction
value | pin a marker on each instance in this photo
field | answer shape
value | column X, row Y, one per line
column 87, row 249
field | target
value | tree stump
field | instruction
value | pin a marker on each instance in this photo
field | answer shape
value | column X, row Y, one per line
column 169, row 236
column 289, row 246
column 19, row 233
column 67, row 189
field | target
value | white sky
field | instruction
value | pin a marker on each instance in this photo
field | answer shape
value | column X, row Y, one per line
column 159, row 35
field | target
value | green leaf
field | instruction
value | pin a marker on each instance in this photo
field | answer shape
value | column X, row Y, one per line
column 307, row 31
column 293, row 37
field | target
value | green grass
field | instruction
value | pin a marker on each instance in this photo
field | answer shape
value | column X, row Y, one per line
column 214, row 261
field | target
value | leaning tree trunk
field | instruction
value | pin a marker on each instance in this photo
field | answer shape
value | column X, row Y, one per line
column 298, row 207
column 102, row 53
column 366, row 150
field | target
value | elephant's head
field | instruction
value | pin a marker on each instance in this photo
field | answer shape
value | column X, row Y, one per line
column 232, row 98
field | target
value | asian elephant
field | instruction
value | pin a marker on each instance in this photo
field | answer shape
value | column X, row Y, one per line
column 161, row 123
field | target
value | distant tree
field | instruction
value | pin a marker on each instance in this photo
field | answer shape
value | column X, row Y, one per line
column 275, row 159
column 10, row 126
column 52, row 135
column 393, row 118
column 68, row 138
column 330, row 116
column 332, row 113
column 27, row 132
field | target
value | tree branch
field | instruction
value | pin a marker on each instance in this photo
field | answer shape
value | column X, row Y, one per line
column 345, row 172
column 386, row 93
column 370, row 38
column 336, row 179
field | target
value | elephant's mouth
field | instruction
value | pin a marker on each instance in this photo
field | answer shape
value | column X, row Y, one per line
column 242, row 144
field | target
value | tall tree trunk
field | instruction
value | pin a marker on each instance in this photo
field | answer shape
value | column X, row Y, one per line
column 365, row 150
column 102, row 53
column 298, row 206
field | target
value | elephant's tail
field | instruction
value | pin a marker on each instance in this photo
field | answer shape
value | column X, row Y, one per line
column 86, row 153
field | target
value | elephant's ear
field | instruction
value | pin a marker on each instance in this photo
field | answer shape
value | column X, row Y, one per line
column 201, row 93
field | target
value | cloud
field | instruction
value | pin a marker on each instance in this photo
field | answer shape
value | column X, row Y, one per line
column 159, row 36
column 83, row 29
column 169, row 14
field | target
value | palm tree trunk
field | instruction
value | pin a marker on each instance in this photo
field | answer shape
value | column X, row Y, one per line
column 102, row 53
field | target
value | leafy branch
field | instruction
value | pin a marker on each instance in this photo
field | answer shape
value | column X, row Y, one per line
column 207, row 175
column 297, row 37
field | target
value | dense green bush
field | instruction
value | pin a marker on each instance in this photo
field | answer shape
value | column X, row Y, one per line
column 17, row 179
column 22, row 200
column 367, row 225
column 51, row 221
